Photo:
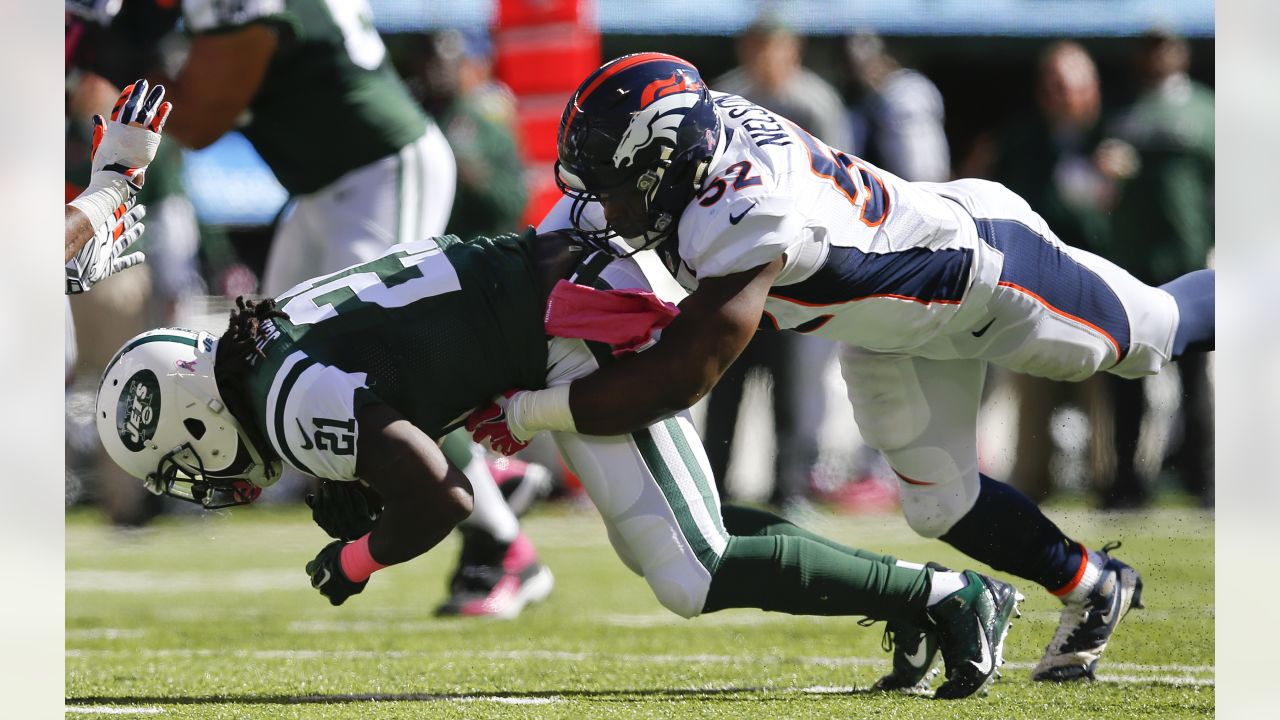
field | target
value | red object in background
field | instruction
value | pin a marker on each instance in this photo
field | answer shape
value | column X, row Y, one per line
column 537, row 125
column 542, row 50
column 543, row 193
column 546, row 59
column 523, row 13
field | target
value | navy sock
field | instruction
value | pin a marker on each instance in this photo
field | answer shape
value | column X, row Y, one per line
column 1008, row 532
column 1194, row 293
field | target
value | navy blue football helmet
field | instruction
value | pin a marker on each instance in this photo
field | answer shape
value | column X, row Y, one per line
column 639, row 133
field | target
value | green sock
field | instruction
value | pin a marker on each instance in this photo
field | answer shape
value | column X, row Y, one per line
column 748, row 522
column 785, row 569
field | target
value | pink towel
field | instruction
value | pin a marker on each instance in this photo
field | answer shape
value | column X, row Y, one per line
column 627, row 320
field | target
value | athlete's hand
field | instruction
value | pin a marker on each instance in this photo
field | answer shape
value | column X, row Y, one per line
column 344, row 510
column 125, row 146
column 327, row 576
column 488, row 426
column 104, row 254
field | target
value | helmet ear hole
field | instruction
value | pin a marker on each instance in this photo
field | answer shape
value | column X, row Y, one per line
column 195, row 427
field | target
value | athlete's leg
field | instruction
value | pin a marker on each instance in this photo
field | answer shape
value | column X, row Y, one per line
column 922, row 414
column 491, row 513
column 1194, row 293
column 1066, row 314
column 295, row 249
column 498, row 570
column 656, row 493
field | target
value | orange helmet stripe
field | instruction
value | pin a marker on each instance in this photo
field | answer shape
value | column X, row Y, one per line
column 614, row 68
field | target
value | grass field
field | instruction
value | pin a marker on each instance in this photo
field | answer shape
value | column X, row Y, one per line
column 212, row 617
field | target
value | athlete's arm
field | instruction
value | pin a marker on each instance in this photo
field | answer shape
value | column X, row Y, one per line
column 77, row 232
column 423, row 496
column 715, row 323
column 220, row 78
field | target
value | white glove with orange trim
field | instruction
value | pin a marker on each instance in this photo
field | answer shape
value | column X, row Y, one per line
column 122, row 150
column 104, row 255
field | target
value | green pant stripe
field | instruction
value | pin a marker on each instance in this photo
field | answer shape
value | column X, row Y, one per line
column 415, row 152
column 670, row 488
column 397, row 238
column 710, row 499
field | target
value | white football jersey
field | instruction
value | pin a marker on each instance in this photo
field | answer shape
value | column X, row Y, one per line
column 871, row 259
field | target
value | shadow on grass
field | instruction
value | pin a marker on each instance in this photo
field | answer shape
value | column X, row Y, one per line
column 757, row 694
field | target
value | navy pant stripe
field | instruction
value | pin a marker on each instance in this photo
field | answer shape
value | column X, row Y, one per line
column 917, row 274
column 1034, row 265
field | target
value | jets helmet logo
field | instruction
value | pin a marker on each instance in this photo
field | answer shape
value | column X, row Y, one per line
column 138, row 410
column 663, row 106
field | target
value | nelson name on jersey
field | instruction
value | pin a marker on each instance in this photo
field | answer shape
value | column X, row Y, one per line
column 764, row 127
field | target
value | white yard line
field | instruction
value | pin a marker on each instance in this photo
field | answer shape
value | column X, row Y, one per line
column 1137, row 673
column 114, row 709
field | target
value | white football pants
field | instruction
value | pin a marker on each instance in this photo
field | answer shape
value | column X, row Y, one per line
column 403, row 197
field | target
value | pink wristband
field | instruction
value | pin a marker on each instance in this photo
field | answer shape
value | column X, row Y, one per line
column 357, row 563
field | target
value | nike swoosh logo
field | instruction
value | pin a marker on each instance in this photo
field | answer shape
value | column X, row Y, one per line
column 735, row 219
column 984, row 667
column 918, row 657
column 983, row 331
column 326, row 577
column 306, row 441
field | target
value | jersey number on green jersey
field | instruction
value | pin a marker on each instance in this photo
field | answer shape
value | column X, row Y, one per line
column 355, row 20
column 408, row 273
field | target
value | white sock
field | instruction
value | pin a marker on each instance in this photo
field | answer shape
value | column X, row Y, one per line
column 908, row 564
column 491, row 513
column 945, row 583
column 1088, row 579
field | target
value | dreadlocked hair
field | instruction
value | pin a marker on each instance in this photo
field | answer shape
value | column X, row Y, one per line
column 240, row 345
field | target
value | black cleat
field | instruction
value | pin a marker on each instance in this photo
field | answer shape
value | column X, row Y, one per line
column 1085, row 627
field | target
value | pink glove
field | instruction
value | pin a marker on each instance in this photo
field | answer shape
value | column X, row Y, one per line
column 488, row 426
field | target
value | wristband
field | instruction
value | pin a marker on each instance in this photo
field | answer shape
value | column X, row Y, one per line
column 99, row 201
column 532, row 411
column 357, row 563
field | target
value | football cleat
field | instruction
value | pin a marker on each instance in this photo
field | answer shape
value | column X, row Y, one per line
column 972, row 623
column 496, row 579
column 914, row 652
column 1085, row 627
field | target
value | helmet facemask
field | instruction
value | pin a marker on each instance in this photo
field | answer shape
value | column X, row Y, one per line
column 181, row 474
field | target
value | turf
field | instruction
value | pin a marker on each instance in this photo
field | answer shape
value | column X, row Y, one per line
column 212, row 617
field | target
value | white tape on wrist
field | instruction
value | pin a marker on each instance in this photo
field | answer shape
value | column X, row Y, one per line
column 533, row 411
column 99, row 201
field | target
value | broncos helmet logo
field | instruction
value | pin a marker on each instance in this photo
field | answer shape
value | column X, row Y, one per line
column 663, row 105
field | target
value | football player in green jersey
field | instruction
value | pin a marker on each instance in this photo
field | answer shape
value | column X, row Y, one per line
column 352, row 377
column 310, row 85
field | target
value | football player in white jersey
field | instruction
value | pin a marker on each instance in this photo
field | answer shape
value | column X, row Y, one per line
column 924, row 283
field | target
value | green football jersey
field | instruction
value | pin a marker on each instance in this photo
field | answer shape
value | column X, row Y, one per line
column 331, row 101
column 432, row 328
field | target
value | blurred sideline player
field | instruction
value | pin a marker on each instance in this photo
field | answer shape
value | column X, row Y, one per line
column 353, row 376
column 309, row 84
column 925, row 283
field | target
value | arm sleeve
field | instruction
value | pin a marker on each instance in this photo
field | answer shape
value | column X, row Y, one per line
column 311, row 418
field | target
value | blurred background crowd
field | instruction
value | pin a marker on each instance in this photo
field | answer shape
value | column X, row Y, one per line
column 1103, row 121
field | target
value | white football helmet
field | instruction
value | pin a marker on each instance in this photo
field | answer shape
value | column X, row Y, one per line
column 162, row 419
